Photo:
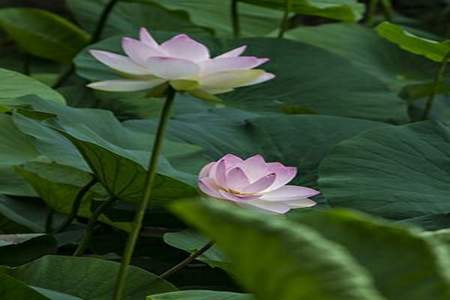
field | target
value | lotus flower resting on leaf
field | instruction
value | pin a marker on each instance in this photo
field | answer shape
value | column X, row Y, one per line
column 254, row 183
column 184, row 63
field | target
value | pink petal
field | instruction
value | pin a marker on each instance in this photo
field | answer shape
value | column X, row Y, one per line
column 273, row 207
column 283, row 174
column 255, row 167
column 237, row 198
column 171, row 68
column 119, row 62
column 220, row 174
column 147, row 38
column 230, row 79
column 124, row 85
column 231, row 160
column 260, row 185
column 204, row 172
column 138, row 51
column 208, row 187
column 236, row 179
column 289, row 192
column 182, row 46
column 233, row 53
column 301, row 203
column 263, row 78
column 231, row 63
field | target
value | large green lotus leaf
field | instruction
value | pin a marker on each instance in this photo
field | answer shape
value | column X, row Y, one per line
column 12, row 86
column 343, row 90
column 201, row 295
column 429, row 222
column 305, row 79
column 301, row 140
column 254, row 20
column 42, row 33
column 128, row 18
column 11, row 288
column 59, row 185
column 87, row 278
column 365, row 49
column 434, row 50
column 420, row 272
column 95, row 125
column 124, row 176
column 276, row 258
column 344, row 10
column 18, row 249
column 395, row 172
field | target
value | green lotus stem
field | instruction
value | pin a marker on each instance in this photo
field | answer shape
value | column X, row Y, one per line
column 187, row 261
column 49, row 221
column 102, row 21
column 284, row 25
column 89, row 231
column 94, row 38
column 151, row 175
column 387, row 9
column 235, row 18
column 77, row 204
column 373, row 5
column 438, row 78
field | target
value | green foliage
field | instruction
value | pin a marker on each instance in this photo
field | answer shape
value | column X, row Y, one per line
column 339, row 110
column 292, row 265
column 39, row 32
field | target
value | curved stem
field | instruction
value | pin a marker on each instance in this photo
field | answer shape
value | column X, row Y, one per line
column 64, row 76
column 151, row 174
column 284, row 25
column 235, row 18
column 77, row 204
column 187, row 261
column 94, row 38
column 91, row 224
column 102, row 21
column 436, row 82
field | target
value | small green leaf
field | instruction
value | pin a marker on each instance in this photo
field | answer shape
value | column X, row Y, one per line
column 343, row 10
column 434, row 50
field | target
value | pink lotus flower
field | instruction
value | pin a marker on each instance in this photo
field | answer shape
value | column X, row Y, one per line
column 254, row 183
column 180, row 61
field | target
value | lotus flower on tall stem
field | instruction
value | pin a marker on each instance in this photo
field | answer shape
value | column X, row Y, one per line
column 183, row 65
column 180, row 61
